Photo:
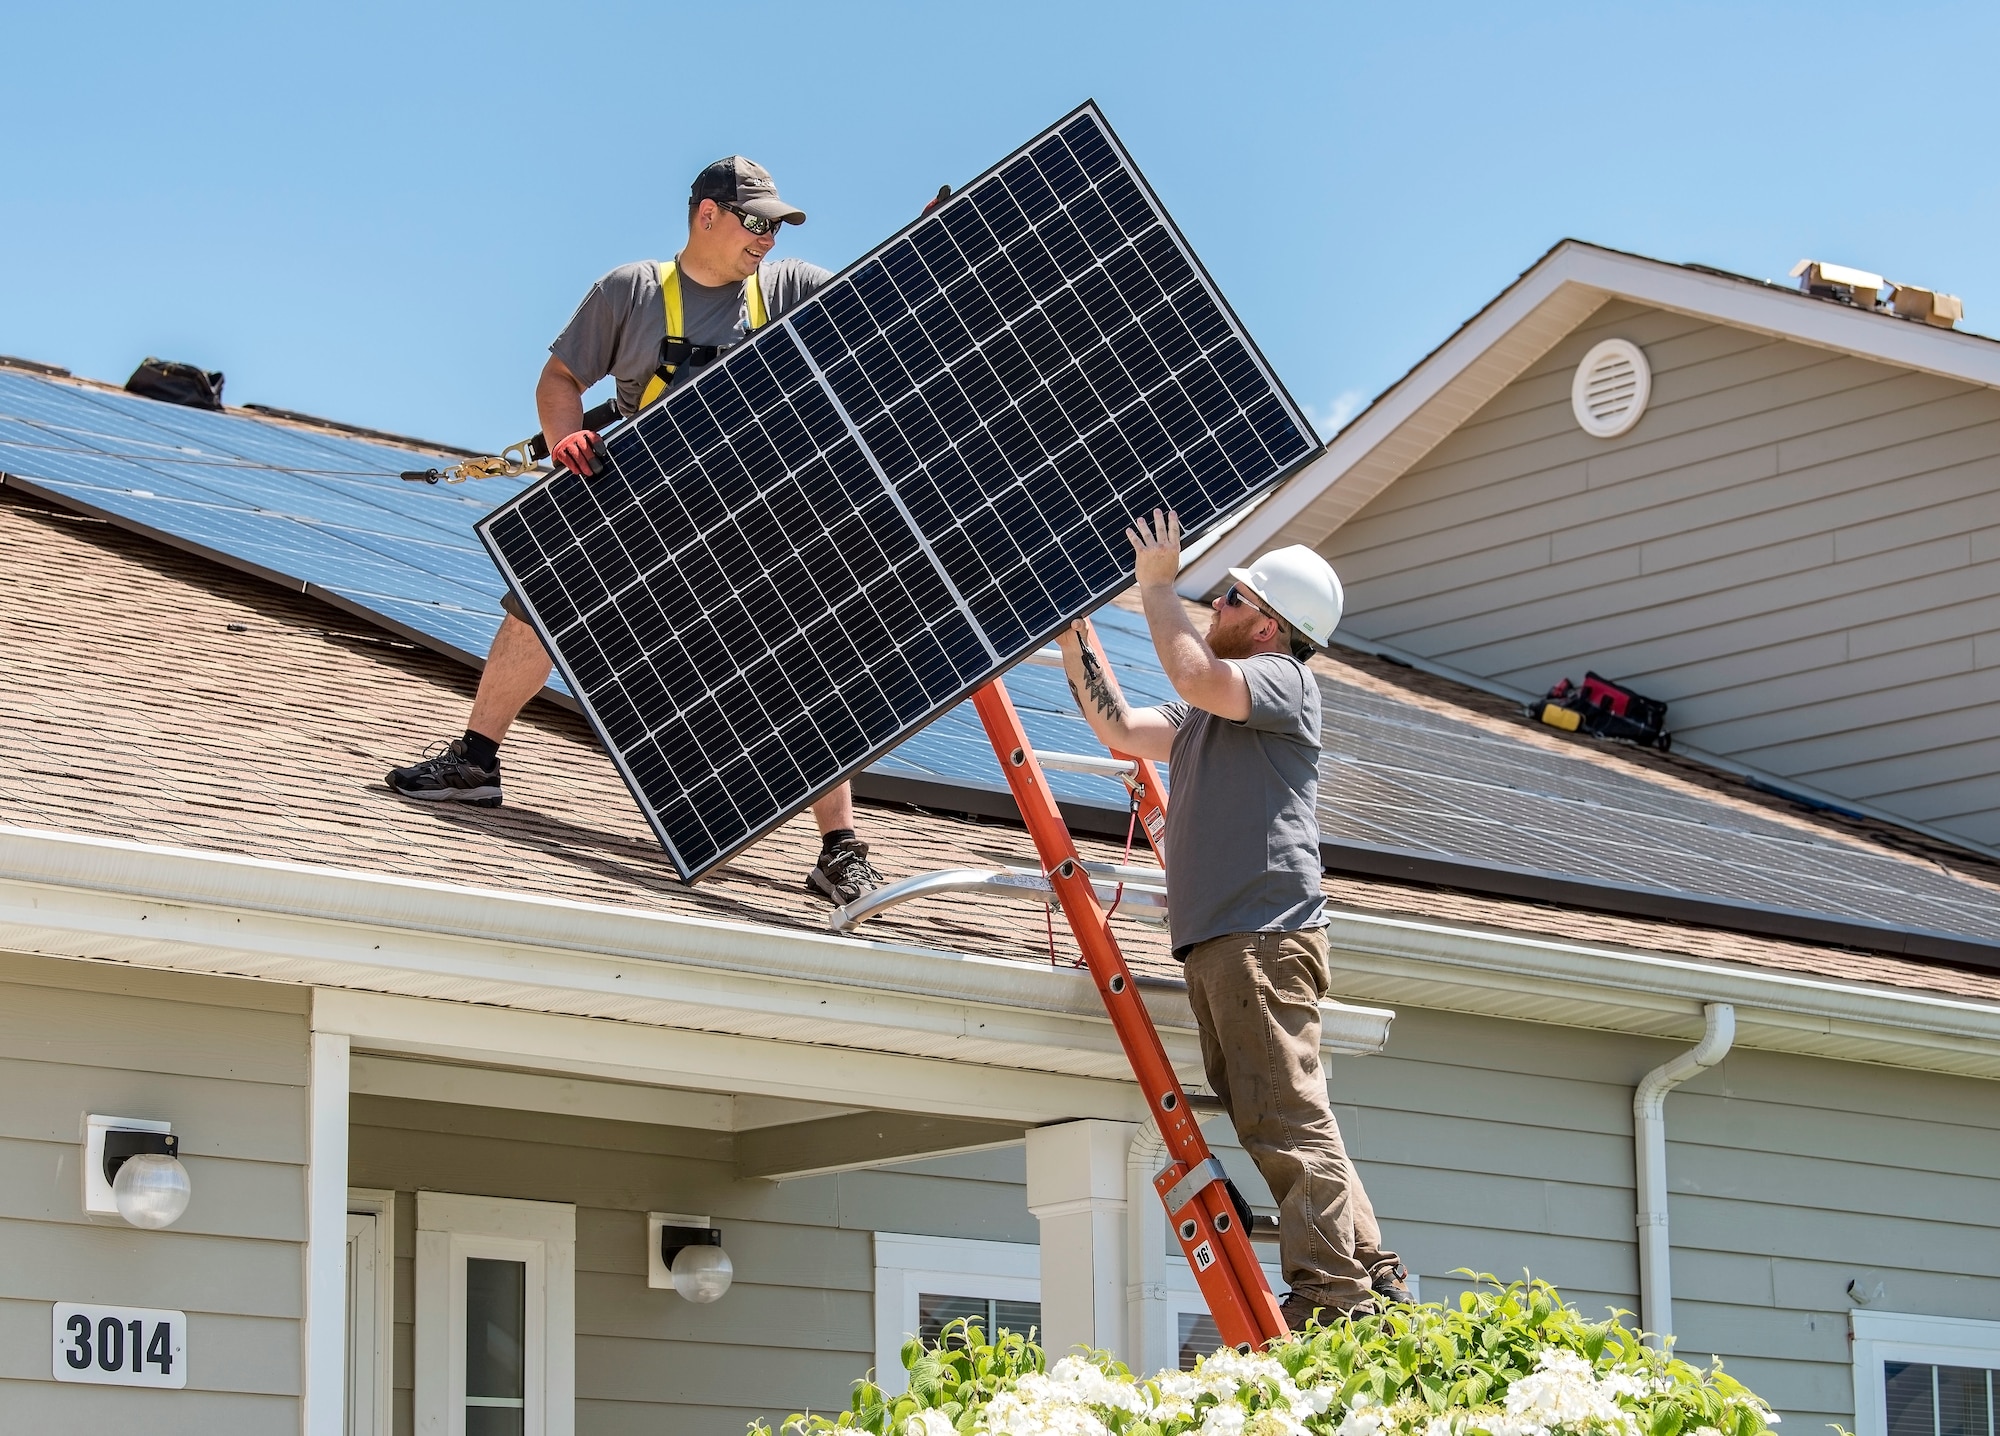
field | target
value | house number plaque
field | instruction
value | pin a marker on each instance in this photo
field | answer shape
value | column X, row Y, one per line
column 120, row 1345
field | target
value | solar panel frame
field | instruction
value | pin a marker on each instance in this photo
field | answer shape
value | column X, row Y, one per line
column 841, row 363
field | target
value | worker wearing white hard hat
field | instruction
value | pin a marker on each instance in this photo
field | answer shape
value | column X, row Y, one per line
column 1243, row 884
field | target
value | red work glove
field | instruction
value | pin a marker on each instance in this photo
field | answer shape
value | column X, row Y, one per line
column 579, row 452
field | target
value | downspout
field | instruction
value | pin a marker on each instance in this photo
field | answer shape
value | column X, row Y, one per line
column 1649, row 1139
column 1149, row 1334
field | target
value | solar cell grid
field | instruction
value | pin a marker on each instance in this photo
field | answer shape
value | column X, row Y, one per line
column 882, row 499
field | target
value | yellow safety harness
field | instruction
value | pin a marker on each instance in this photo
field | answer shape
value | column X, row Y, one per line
column 675, row 352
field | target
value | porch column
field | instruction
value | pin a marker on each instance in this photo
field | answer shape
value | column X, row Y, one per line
column 324, row 1403
column 1076, row 1189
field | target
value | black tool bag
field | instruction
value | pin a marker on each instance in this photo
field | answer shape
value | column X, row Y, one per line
column 1605, row 710
column 173, row 383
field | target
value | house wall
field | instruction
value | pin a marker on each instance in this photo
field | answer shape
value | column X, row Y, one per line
column 1502, row 1146
column 225, row 1062
column 1799, row 550
column 795, row 1329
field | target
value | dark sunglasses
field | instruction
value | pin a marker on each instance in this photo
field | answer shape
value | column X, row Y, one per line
column 1235, row 598
column 755, row 223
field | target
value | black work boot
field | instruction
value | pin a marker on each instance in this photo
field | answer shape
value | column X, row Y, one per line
column 1390, row 1287
column 843, row 873
column 448, row 776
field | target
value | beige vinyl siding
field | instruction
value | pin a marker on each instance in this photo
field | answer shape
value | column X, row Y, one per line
column 225, row 1062
column 797, row 1326
column 1799, row 550
column 1500, row 1146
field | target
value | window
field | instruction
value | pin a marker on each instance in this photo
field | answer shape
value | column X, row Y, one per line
column 495, row 1316
column 1925, row 1375
column 923, row 1282
column 936, row 1311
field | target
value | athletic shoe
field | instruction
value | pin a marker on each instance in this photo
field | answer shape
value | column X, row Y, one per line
column 448, row 776
column 843, row 873
column 1300, row 1311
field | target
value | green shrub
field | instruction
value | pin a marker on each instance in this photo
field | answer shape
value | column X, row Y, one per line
column 1513, row 1360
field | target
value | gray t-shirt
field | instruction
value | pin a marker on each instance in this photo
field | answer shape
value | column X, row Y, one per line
column 621, row 323
column 1242, row 838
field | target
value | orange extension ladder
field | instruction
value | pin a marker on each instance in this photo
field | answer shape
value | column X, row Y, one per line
column 1203, row 1217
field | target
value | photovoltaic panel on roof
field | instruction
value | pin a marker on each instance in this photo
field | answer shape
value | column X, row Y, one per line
column 315, row 511
column 810, row 549
column 1398, row 777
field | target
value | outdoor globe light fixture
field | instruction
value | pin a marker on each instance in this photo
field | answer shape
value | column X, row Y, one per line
column 692, row 1260
column 702, row 1273
column 151, row 1189
column 135, row 1171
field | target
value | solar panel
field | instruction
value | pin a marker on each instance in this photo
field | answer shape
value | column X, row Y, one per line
column 812, row 548
column 314, row 511
column 1400, row 777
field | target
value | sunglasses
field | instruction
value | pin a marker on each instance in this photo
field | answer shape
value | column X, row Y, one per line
column 1235, row 598
column 755, row 223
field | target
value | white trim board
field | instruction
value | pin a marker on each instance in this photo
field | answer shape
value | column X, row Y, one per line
column 1517, row 328
column 375, row 1075
column 381, row 1205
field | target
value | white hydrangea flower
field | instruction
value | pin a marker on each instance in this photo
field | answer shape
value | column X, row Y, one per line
column 928, row 1423
column 1365, row 1417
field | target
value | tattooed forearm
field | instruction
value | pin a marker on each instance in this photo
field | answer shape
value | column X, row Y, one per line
column 1108, row 701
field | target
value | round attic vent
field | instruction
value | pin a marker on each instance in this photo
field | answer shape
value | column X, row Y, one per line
column 1611, row 387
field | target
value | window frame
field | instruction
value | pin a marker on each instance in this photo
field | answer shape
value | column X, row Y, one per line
column 541, row 1235
column 1881, row 1336
column 906, row 1265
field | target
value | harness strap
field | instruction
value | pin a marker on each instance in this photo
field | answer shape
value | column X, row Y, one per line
column 675, row 350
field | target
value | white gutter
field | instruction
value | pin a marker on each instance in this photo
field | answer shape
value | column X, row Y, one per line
column 1649, row 1148
column 64, row 895
column 1149, row 1334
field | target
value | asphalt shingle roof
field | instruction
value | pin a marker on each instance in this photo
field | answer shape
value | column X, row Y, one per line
column 156, row 697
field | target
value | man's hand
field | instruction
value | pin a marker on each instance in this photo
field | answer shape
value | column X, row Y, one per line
column 579, row 452
column 1158, row 546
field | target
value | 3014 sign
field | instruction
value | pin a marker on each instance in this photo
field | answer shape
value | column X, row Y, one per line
column 120, row 1345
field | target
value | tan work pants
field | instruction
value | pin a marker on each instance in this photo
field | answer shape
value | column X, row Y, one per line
column 1256, row 1000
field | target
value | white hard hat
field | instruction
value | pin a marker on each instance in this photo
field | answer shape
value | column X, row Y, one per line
column 1299, row 586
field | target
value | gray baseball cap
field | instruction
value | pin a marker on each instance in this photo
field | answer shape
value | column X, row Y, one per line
column 747, row 185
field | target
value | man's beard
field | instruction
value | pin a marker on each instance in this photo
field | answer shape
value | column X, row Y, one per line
column 1226, row 644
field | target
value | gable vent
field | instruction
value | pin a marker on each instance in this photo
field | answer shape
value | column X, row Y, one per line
column 1611, row 387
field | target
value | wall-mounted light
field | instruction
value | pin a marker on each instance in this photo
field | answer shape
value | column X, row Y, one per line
column 686, row 1254
column 132, row 1168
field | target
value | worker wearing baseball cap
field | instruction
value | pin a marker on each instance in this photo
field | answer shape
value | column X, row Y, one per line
column 1243, row 884
column 646, row 325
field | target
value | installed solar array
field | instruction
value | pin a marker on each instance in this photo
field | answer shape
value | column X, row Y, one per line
column 1398, row 777
column 316, row 511
column 815, row 546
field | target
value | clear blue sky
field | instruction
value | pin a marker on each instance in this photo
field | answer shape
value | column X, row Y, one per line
column 384, row 213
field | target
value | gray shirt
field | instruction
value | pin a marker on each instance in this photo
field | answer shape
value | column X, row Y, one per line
column 1242, row 838
column 621, row 323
